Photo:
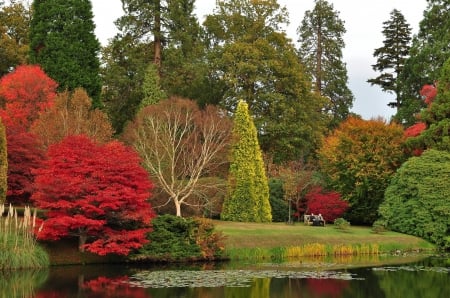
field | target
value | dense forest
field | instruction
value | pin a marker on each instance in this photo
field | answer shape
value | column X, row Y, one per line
column 224, row 119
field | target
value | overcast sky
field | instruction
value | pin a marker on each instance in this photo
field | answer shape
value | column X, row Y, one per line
column 363, row 22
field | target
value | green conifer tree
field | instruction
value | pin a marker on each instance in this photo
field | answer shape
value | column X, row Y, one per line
column 392, row 55
column 63, row 42
column 248, row 190
column 321, row 42
column 428, row 53
column 436, row 117
column 151, row 87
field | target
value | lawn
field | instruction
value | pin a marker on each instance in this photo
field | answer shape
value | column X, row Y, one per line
column 271, row 235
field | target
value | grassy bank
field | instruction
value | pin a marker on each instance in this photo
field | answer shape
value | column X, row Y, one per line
column 298, row 240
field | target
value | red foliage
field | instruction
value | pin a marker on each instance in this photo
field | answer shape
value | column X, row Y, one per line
column 24, row 155
column 429, row 93
column 96, row 192
column 415, row 130
column 26, row 93
column 113, row 287
column 327, row 287
column 329, row 204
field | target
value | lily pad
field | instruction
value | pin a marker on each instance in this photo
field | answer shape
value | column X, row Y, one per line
column 223, row 278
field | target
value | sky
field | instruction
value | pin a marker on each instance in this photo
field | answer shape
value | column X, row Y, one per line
column 363, row 20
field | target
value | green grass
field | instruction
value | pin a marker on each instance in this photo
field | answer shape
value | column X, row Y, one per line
column 272, row 236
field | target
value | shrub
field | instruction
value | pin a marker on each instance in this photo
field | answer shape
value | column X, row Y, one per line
column 177, row 238
column 417, row 199
column 277, row 202
column 341, row 223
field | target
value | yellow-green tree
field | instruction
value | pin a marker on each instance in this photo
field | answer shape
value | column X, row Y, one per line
column 248, row 190
column 14, row 42
column 359, row 159
column 3, row 164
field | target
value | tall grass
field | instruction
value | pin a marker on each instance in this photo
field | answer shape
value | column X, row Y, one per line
column 18, row 246
column 307, row 250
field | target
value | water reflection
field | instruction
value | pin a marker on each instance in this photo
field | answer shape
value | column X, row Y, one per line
column 428, row 278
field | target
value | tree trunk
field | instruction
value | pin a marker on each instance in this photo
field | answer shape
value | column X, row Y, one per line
column 157, row 38
column 319, row 61
column 178, row 207
column 82, row 241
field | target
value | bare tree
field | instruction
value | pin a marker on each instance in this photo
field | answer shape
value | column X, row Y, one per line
column 180, row 144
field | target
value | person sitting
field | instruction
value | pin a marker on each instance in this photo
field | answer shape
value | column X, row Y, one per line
column 321, row 220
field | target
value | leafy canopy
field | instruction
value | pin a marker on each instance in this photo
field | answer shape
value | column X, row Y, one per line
column 416, row 201
column 359, row 159
column 95, row 192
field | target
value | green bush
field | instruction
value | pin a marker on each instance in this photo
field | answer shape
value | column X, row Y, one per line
column 417, row 199
column 177, row 238
column 341, row 223
column 278, row 204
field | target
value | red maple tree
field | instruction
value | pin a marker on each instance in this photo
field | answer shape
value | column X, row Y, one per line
column 329, row 204
column 97, row 192
column 24, row 155
column 428, row 92
column 25, row 93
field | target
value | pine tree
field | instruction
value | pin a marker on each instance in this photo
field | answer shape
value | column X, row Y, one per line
column 321, row 43
column 391, row 57
column 429, row 51
column 151, row 87
column 63, row 42
column 160, row 32
column 3, row 164
column 248, row 190
column 436, row 118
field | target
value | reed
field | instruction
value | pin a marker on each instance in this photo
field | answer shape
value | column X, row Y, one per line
column 18, row 246
column 307, row 250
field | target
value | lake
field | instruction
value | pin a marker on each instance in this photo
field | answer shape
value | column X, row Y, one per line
column 375, row 276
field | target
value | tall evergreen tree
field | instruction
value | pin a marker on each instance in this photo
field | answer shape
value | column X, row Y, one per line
column 248, row 189
column 163, row 32
column 63, row 42
column 152, row 87
column 321, row 43
column 391, row 57
column 429, row 50
column 125, row 63
column 251, row 59
column 161, row 23
column 436, row 117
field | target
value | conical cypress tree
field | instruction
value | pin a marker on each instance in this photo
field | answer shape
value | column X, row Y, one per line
column 248, row 191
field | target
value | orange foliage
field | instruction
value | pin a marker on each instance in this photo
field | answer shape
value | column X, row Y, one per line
column 72, row 114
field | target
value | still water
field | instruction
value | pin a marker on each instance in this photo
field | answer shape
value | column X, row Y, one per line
column 397, row 277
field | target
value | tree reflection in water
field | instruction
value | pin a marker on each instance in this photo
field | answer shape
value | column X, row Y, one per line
column 427, row 279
